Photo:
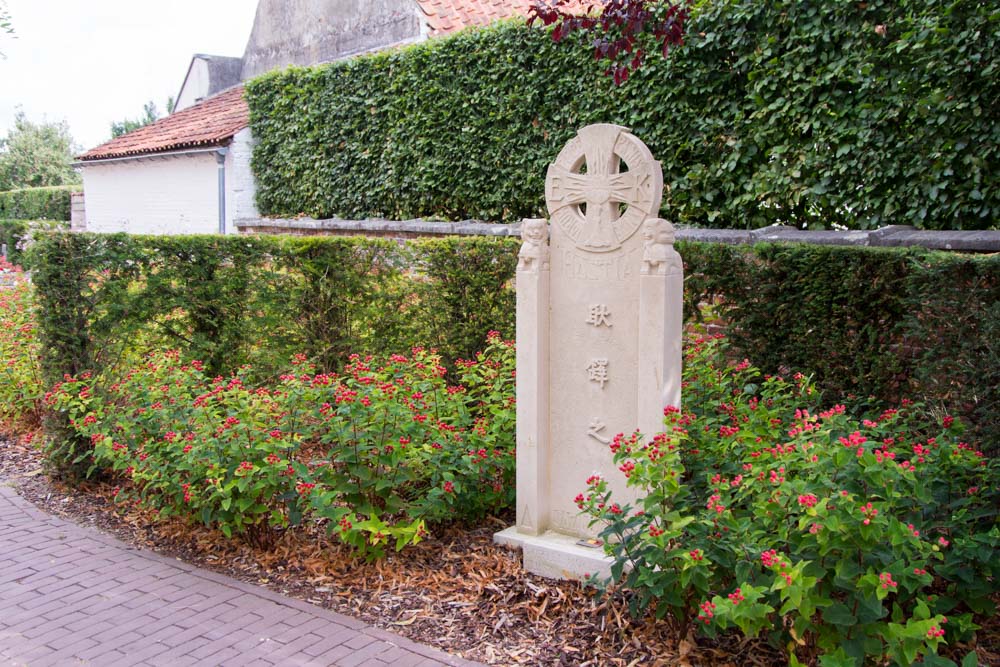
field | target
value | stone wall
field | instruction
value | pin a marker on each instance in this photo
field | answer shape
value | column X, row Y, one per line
column 893, row 236
column 306, row 32
column 77, row 213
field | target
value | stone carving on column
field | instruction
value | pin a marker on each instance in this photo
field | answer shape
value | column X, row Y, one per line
column 658, row 255
column 534, row 254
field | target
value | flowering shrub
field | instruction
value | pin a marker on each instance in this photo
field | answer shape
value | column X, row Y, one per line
column 374, row 452
column 842, row 540
column 21, row 386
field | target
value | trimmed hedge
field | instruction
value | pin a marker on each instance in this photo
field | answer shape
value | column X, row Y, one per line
column 874, row 326
column 230, row 300
column 860, row 114
column 51, row 203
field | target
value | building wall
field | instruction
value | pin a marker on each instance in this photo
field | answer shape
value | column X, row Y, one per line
column 241, row 188
column 195, row 85
column 306, row 32
column 173, row 195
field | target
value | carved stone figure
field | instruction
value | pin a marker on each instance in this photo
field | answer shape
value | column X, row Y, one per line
column 658, row 255
column 534, row 252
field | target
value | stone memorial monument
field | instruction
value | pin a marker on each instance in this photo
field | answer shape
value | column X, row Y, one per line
column 599, row 314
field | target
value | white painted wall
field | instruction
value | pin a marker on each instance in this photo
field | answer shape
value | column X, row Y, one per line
column 195, row 85
column 173, row 195
column 240, row 185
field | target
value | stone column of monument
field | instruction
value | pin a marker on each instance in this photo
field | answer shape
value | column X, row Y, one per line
column 605, row 315
column 661, row 321
column 533, row 391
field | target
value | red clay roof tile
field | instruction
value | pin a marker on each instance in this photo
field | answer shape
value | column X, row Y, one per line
column 207, row 123
column 445, row 16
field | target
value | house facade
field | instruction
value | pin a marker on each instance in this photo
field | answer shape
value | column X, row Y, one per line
column 189, row 173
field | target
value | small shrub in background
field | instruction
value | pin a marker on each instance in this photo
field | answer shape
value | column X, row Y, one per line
column 21, row 385
column 843, row 540
column 46, row 203
column 374, row 453
column 16, row 235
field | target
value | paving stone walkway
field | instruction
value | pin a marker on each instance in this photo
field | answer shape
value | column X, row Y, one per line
column 72, row 596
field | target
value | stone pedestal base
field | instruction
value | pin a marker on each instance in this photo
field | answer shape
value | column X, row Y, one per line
column 555, row 555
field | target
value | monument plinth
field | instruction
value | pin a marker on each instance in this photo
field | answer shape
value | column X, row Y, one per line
column 598, row 339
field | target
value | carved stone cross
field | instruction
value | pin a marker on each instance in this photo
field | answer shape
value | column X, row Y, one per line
column 586, row 190
column 598, row 339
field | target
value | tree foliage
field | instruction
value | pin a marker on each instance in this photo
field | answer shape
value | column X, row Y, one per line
column 620, row 28
column 150, row 114
column 6, row 25
column 36, row 155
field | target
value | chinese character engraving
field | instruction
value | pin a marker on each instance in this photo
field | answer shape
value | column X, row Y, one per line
column 594, row 431
column 599, row 315
column 597, row 371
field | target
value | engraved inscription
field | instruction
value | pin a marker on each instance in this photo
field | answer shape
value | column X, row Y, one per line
column 579, row 266
column 599, row 315
column 597, row 371
column 594, row 431
column 568, row 522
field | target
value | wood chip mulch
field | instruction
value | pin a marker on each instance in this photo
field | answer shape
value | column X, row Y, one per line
column 458, row 591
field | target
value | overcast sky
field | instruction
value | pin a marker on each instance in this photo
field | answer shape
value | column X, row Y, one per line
column 92, row 62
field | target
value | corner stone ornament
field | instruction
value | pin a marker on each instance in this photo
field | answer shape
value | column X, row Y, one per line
column 598, row 340
column 585, row 189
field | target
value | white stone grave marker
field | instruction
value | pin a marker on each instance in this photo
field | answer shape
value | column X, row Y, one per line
column 599, row 312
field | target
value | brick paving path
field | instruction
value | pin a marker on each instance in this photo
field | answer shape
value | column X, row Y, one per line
column 72, row 596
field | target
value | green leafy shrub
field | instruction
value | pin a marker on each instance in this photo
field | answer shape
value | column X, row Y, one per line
column 105, row 300
column 861, row 114
column 851, row 541
column 21, row 386
column 374, row 453
column 874, row 325
column 47, row 203
column 12, row 233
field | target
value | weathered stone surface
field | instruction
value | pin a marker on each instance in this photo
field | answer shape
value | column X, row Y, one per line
column 598, row 338
column 979, row 241
column 777, row 233
column 698, row 235
column 374, row 227
column 307, row 32
column 893, row 235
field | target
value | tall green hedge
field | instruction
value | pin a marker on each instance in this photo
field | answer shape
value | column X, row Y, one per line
column 809, row 113
column 51, row 203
